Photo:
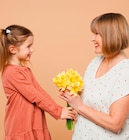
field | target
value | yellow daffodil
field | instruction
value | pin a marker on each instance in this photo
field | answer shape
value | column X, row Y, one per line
column 72, row 81
column 69, row 80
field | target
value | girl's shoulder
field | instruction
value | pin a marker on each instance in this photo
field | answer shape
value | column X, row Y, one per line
column 12, row 69
column 12, row 72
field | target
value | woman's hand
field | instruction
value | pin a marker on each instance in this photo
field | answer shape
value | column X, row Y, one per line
column 71, row 99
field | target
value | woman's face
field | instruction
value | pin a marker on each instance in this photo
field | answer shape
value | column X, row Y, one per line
column 97, row 41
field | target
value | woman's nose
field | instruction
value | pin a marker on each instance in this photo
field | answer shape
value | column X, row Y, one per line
column 93, row 38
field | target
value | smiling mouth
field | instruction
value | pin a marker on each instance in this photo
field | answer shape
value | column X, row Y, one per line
column 29, row 56
column 96, row 45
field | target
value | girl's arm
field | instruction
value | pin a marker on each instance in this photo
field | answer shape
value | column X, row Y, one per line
column 19, row 84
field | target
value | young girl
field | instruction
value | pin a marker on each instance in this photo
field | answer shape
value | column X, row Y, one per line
column 26, row 100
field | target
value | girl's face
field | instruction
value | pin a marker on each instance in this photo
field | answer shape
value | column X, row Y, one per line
column 97, row 40
column 25, row 51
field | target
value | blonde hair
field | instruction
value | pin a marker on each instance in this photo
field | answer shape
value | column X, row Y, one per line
column 114, row 30
column 13, row 35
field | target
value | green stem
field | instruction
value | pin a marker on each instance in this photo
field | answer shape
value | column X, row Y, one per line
column 69, row 122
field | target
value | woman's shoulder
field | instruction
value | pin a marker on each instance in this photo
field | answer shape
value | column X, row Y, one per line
column 96, row 60
column 124, row 63
column 94, row 63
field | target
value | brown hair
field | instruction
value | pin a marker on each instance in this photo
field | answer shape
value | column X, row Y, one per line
column 13, row 35
column 114, row 30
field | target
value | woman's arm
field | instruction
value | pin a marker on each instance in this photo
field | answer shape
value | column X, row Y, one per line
column 113, row 121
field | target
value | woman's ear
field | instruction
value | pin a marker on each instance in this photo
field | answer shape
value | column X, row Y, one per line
column 12, row 49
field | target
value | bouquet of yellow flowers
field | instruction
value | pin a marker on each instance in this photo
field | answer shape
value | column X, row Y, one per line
column 72, row 81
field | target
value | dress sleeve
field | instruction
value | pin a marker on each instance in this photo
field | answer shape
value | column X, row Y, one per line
column 23, row 85
column 121, row 86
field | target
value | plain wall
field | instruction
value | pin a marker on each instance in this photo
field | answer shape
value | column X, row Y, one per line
column 62, row 41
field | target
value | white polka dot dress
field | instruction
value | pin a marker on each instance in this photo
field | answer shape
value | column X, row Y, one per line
column 100, row 93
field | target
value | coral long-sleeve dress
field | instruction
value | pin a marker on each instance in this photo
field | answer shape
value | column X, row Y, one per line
column 26, row 105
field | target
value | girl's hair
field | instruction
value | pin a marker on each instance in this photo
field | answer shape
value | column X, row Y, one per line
column 114, row 30
column 13, row 35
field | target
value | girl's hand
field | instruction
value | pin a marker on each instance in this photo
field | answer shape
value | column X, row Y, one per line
column 68, row 113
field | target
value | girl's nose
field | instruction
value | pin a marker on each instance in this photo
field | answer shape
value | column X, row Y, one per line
column 32, row 50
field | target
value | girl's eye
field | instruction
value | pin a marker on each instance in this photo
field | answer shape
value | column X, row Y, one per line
column 29, row 46
column 96, row 33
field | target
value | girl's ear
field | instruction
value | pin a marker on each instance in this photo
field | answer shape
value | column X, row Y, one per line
column 12, row 49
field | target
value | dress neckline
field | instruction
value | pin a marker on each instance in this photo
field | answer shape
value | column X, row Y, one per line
column 112, row 68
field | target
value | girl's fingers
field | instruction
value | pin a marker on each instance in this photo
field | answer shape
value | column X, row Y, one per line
column 73, row 114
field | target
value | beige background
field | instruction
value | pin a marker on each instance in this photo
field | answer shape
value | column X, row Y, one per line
column 62, row 41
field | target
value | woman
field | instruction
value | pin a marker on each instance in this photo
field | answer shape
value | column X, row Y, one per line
column 103, row 108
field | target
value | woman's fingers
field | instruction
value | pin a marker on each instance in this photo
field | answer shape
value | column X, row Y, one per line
column 61, row 91
column 63, row 97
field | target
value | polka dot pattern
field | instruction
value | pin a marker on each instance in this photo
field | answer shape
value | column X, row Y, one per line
column 100, row 93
